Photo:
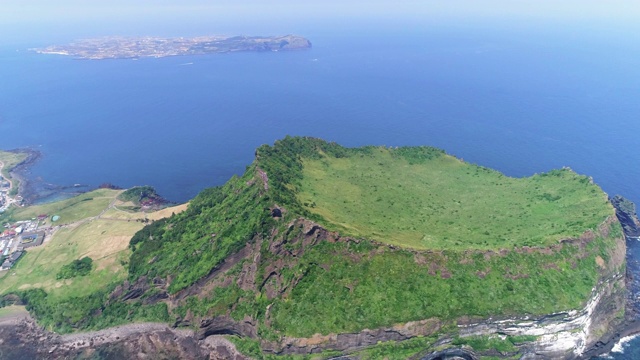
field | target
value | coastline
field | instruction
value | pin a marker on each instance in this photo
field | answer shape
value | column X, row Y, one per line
column 21, row 332
column 34, row 190
column 19, row 172
column 630, row 326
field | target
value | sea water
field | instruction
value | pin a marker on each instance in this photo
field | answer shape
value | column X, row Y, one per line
column 519, row 102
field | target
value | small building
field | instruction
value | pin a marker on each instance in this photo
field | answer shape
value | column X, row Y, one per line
column 11, row 260
column 32, row 239
column 15, row 256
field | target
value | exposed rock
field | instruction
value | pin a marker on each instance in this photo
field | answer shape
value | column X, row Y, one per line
column 626, row 213
column 353, row 341
column 451, row 354
column 225, row 325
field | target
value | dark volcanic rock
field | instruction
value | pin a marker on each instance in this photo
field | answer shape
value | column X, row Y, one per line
column 224, row 325
column 626, row 213
column 25, row 339
column 451, row 354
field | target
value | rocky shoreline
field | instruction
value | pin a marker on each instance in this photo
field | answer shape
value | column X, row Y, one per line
column 626, row 214
column 21, row 170
column 131, row 341
column 30, row 189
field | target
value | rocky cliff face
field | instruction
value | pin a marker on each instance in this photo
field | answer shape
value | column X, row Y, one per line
column 24, row 339
column 626, row 213
column 566, row 335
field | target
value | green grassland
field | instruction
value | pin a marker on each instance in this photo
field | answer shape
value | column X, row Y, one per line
column 105, row 241
column 70, row 210
column 67, row 304
column 445, row 203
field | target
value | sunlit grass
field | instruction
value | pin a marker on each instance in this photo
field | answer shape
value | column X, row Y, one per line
column 444, row 203
column 69, row 210
column 105, row 240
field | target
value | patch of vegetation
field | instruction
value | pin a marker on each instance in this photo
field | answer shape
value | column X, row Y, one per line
column 217, row 223
column 222, row 300
column 397, row 350
column 423, row 199
column 483, row 343
column 521, row 339
column 10, row 310
column 141, row 196
column 252, row 348
column 78, row 267
column 379, row 289
column 88, row 312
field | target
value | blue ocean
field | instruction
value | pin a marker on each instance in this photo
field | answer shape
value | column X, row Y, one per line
column 520, row 99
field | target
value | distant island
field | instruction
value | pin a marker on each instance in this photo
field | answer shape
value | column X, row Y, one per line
column 139, row 47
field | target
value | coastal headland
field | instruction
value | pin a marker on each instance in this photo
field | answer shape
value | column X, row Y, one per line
column 318, row 250
column 156, row 47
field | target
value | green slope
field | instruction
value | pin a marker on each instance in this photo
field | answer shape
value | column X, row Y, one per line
column 429, row 200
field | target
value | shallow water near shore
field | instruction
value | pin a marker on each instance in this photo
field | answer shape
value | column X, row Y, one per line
column 628, row 348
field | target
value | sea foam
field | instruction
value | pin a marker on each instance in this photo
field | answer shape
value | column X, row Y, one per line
column 623, row 343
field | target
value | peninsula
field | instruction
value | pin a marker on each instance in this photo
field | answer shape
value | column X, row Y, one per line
column 318, row 250
column 117, row 47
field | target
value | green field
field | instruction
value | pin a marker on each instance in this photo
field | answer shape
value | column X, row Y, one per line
column 445, row 203
column 70, row 210
column 104, row 241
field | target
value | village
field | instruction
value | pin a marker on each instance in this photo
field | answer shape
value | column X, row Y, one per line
column 18, row 236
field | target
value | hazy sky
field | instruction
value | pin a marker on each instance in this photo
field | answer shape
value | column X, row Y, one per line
column 24, row 17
